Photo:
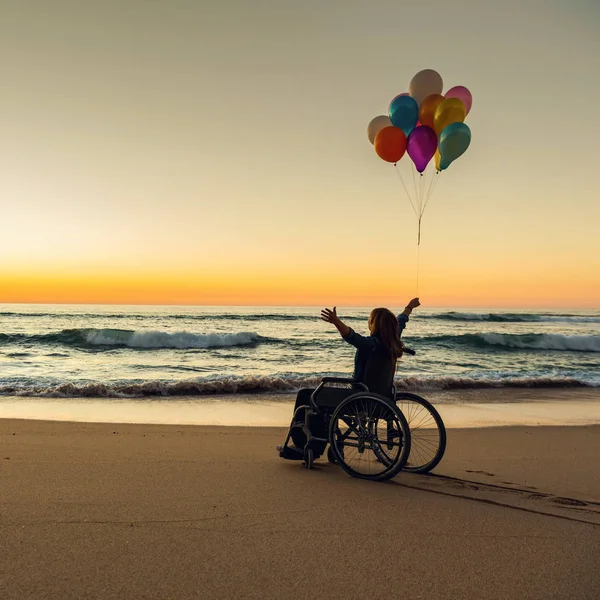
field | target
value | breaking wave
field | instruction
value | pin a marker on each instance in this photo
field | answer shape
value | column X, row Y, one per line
column 508, row 341
column 222, row 385
column 268, row 384
column 100, row 339
column 115, row 338
column 513, row 317
column 543, row 341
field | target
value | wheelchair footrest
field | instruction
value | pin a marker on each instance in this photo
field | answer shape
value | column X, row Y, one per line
column 290, row 453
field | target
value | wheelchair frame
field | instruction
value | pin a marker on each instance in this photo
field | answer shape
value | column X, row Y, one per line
column 312, row 409
column 312, row 406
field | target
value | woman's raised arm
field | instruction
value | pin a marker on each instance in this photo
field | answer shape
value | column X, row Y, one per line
column 330, row 316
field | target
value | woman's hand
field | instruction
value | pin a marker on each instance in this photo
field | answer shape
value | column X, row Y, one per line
column 413, row 303
column 329, row 316
column 409, row 307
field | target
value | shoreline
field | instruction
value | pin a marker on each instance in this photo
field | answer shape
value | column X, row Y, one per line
column 459, row 409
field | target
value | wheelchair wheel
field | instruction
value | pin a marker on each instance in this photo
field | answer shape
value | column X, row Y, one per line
column 427, row 431
column 331, row 456
column 369, row 437
column 309, row 458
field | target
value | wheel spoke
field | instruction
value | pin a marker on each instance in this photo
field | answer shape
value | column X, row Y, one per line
column 368, row 437
column 428, row 437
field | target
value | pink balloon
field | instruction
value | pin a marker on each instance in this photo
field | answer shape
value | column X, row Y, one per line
column 421, row 146
column 463, row 94
column 398, row 96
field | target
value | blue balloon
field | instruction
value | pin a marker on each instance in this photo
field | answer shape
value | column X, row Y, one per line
column 454, row 141
column 404, row 113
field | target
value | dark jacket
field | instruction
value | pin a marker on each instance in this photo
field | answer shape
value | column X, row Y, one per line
column 373, row 364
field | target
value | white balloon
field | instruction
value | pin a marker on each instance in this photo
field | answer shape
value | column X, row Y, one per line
column 376, row 125
column 425, row 83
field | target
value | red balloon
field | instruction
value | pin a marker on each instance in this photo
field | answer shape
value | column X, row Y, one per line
column 390, row 144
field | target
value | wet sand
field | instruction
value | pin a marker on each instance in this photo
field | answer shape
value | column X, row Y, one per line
column 459, row 408
column 159, row 511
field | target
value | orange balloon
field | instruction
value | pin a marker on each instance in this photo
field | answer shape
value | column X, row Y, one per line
column 390, row 144
column 427, row 110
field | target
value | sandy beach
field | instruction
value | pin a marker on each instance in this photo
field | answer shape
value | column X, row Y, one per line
column 162, row 511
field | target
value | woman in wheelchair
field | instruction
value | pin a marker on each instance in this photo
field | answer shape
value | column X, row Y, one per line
column 374, row 367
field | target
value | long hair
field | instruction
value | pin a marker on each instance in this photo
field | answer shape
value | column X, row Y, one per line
column 384, row 324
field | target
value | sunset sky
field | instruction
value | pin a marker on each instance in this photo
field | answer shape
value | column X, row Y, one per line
column 195, row 152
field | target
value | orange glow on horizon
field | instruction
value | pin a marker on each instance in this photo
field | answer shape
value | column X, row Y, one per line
column 304, row 289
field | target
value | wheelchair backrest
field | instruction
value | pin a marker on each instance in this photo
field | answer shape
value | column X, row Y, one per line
column 380, row 371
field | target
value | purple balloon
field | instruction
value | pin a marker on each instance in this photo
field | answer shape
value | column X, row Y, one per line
column 463, row 94
column 421, row 146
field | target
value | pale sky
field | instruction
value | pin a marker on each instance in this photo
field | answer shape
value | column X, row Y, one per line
column 216, row 152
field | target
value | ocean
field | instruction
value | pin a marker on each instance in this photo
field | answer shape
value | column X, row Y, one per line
column 62, row 351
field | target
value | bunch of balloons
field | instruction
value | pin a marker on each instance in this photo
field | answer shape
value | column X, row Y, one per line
column 424, row 123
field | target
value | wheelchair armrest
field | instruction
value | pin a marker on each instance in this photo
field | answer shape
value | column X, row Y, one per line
column 343, row 380
column 334, row 380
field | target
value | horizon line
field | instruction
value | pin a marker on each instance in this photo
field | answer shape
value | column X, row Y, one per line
column 234, row 305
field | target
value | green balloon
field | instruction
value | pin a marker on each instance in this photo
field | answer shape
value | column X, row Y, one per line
column 453, row 143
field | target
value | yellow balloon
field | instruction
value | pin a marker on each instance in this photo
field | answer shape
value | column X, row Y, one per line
column 427, row 109
column 451, row 110
column 437, row 157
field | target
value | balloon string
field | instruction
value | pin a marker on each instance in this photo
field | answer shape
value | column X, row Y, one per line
column 418, row 204
column 418, row 191
column 412, row 172
column 429, row 188
column 418, row 265
column 408, row 194
column 406, row 190
column 432, row 189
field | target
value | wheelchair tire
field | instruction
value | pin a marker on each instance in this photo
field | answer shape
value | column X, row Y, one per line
column 369, row 437
column 428, row 433
column 331, row 456
column 309, row 458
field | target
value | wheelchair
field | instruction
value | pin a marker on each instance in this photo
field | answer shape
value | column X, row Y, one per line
column 367, row 434
column 426, row 441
